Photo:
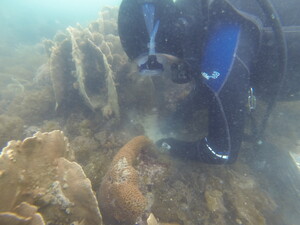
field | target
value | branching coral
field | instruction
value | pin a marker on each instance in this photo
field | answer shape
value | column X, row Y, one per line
column 37, row 171
column 119, row 196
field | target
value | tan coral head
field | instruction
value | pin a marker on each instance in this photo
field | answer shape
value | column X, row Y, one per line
column 119, row 196
column 23, row 214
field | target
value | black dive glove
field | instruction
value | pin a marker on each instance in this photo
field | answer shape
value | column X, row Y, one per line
column 198, row 150
column 181, row 72
column 180, row 149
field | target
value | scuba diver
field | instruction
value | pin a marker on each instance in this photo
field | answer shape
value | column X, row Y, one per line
column 226, row 48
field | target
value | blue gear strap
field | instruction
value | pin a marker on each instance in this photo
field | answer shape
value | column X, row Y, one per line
column 219, row 54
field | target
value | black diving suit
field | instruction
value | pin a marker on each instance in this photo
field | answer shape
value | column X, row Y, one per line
column 232, row 50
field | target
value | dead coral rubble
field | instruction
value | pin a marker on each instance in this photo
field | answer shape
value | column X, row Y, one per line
column 152, row 221
column 119, row 196
column 37, row 171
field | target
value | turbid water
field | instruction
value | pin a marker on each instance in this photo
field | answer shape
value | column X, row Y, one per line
column 47, row 78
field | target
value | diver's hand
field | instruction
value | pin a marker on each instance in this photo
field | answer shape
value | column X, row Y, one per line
column 166, row 144
column 178, row 148
column 181, row 72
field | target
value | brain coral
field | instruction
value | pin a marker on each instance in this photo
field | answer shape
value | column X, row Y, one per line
column 119, row 197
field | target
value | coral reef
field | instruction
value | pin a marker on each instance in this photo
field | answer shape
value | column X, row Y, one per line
column 11, row 127
column 85, row 61
column 152, row 221
column 33, row 106
column 18, row 65
column 23, row 214
column 60, row 71
column 83, row 148
column 119, row 196
column 87, row 66
column 38, row 171
column 201, row 194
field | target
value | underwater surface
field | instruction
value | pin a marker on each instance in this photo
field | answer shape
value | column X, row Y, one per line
column 78, row 126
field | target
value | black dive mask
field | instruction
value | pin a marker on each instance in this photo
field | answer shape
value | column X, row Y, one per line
column 151, row 66
column 149, row 34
